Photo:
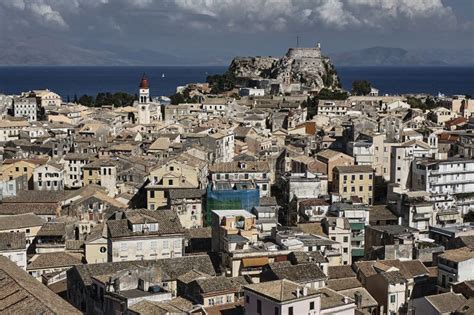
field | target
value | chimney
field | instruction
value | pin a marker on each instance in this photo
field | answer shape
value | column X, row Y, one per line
column 346, row 300
column 305, row 291
column 298, row 292
column 358, row 299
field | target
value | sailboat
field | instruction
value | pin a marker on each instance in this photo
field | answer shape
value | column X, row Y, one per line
column 162, row 75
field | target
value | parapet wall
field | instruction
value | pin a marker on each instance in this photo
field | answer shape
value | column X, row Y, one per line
column 298, row 53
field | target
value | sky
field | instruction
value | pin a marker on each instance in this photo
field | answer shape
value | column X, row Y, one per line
column 215, row 30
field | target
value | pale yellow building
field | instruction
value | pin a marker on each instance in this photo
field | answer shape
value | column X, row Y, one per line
column 12, row 169
column 172, row 175
column 354, row 181
column 102, row 173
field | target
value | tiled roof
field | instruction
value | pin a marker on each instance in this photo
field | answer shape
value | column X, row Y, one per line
column 343, row 284
column 338, row 272
column 240, row 167
column 447, row 302
column 172, row 268
column 280, row 290
column 300, row 273
column 53, row 260
column 185, row 193
column 23, row 294
column 53, row 229
column 168, row 223
column 38, row 209
column 12, row 241
column 458, row 255
column 20, row 221
column 36, row 197
column 216, row 284
column 354, row 169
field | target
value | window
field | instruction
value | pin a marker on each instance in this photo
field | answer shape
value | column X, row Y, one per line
column 353, row 189
column 346, row 239
column 139, row 246
column 345, row 177
column 229, row 299
column 361, row 188
column 392, row 298
column 290, row 310
column 345, row 250
column 311, row 305
column 361, row 177
column 152, row 194
column 218, row 176
column 353, row 177
column 170, row 182
column 259, row 307
column 165, row 245
column 277, row 312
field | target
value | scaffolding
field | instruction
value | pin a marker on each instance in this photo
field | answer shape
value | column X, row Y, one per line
column 230, row 197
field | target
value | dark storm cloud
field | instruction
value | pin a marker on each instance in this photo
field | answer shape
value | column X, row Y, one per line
column 216, row 29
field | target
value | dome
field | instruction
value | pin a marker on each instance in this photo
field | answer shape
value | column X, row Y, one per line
column 144, row 82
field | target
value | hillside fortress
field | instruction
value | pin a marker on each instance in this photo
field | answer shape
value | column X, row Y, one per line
column 300, row 69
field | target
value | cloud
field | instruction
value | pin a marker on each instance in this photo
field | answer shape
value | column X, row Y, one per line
column 338, row 14
column 47, row 14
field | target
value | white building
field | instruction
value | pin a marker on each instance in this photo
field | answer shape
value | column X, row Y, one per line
column 455, row 266
column 13, row 246
column 251, row 92
column 332, row 108
column 444, row 179
column 25, row 107
column 145, row 235
column 49, row 176
column 362, row 151
column 284, row 297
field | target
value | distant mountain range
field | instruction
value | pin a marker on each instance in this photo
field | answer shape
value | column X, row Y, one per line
column 47, row 51
column 389, row 56
column 38, row 51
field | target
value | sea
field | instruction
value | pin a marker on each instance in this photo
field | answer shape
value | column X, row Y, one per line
column 80, row 80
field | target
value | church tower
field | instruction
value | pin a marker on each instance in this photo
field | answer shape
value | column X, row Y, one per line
column 144, row 115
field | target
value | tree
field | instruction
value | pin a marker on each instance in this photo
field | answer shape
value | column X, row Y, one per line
column 361, row 87
column 222, row 82
column 86, row 100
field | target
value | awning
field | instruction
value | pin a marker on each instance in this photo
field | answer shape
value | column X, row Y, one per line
column 254, row 262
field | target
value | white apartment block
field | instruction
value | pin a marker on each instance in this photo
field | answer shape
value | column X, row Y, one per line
column 332, row 108
column 25, row 107
column 445, row 179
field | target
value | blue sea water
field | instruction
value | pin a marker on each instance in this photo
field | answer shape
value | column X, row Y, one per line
column 70, row 81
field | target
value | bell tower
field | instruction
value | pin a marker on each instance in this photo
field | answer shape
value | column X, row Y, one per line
column 144, row 95
column 144, row 115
